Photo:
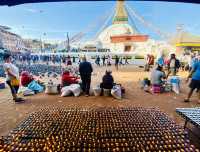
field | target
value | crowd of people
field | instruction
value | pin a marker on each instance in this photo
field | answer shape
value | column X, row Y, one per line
column 169, row 67
column 24, row 75
column 163, row 69
column 57, row 59
column 29, row 59
column 107, row 60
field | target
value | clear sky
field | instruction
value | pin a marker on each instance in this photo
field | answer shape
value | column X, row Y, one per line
column 58, row 18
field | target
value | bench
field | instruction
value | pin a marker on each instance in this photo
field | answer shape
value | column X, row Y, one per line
column 191, row 115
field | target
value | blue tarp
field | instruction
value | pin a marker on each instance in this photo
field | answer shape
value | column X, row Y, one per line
column 17, row 2
column 34, row 86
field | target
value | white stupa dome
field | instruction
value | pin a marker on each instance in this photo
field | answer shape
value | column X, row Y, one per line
column 115, row 30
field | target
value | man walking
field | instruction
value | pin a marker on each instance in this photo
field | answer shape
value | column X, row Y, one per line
column 85, row 70
column 116, row 62
column 149, row 62
column 104, row 60
column 195, row 82
column 126, row 60
column 173, row 65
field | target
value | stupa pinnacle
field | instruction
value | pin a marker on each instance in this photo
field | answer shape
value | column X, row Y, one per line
column 120, row 16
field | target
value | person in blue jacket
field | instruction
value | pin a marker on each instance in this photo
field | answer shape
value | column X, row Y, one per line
column 195, row 80
column 160, row 61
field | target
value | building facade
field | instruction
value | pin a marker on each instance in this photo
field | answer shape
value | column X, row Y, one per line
column 33, row 45
column 10, row 41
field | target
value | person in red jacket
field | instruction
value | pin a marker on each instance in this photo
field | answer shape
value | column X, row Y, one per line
column 26, row 78
column 67, row 79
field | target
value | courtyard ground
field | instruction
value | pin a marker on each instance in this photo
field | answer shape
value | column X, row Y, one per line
column 12, row 114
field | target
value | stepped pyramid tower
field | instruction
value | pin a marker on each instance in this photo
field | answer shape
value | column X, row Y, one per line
column 120, row 37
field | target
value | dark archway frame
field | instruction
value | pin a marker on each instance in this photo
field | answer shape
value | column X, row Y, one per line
column 18, row 2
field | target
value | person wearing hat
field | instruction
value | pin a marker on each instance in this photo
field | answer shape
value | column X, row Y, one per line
column 195, row 80
column 107, row 80
column 85, row 70
column 12, row 77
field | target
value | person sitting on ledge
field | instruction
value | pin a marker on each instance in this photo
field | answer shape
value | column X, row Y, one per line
column 157, row 76
column 107, row 81
column 67, row 79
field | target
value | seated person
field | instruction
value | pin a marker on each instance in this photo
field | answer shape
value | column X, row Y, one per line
column 157, row 76
column 107, row 81
column 67, row 79
column 26, row 78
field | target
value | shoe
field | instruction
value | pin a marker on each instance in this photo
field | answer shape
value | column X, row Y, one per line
column 86, row 95
column 19, row 100
column 186, row 100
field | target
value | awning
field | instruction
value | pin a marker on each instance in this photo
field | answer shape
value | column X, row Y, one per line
column 188, row 44
column 17, row 2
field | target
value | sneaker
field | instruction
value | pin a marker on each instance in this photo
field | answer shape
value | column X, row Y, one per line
column 86, row 95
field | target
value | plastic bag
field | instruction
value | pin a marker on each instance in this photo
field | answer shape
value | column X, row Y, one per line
column 14, row 82
column 34, row 86
column 175, row 82
column 116, row 92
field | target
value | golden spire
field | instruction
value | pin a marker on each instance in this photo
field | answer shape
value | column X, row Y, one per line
column 120, row 16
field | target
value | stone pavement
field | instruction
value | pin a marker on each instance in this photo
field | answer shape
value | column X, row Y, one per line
column 11, row 114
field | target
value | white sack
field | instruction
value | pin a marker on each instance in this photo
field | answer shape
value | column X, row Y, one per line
column 75, row 89
column 25, row 91
column 65, row 91
column 22, row 89
column 51, row 89
column 28, row 92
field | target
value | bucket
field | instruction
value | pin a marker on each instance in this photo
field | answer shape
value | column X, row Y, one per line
column 106, row 92
column 97, row 91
